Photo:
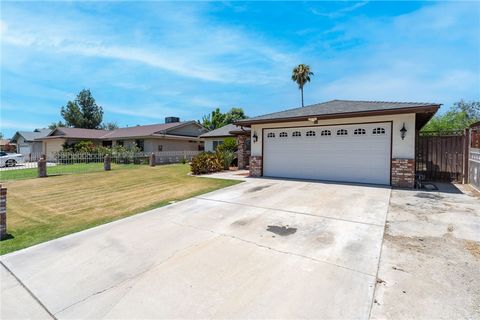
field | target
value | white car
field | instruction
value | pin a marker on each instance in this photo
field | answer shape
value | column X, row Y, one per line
column 10, row 159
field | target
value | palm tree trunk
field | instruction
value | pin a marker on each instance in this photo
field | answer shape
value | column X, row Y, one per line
column 302, row 95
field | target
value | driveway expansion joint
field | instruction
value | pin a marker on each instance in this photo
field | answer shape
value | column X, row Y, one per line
column 29, row 291
column 291, row 211
column 138, row 275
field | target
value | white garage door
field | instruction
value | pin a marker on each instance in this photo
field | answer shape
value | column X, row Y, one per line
column 351, row 153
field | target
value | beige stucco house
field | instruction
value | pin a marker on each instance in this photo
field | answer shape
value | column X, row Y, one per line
column 172, row 136
column 340, row 140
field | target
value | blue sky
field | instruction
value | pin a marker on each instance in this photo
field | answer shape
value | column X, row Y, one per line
column 147, row 60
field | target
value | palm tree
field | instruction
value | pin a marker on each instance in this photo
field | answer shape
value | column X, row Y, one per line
column 301, row 75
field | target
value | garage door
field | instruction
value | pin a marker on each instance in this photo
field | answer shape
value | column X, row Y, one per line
column 350, row 153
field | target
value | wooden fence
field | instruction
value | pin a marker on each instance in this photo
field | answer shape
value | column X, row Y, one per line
column 442, row 156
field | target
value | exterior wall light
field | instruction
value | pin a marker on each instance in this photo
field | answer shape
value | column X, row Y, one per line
column 403, row 131
column 255, row 136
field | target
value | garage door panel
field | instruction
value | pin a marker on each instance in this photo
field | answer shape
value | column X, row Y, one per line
column 352, row 158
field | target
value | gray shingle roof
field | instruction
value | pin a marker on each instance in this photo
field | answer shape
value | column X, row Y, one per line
column 338, row 107
column 130, row 132
column 221, row 132
column 32, row 135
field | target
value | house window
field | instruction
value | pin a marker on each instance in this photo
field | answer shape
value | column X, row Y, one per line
column 359, row 131
column 378, row 131
column 216, row 143
column 296, row 134
column 342, row 132
column 326, row 133
column 160, row 147
column 119, row 143
column 310, row 133
column 140, row 144
column 271, row 135
column 107, row 143
column 283, row 135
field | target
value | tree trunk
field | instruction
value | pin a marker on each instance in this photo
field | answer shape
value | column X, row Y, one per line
column 302, row 95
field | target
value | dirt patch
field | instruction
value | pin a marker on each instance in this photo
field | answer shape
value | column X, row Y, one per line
column 282, row 231
column 326, row 238
column 473, row 247
column 432, row 196
column 241, row 222
column 259, row 188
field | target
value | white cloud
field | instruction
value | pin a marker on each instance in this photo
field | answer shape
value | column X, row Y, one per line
column 190, row 47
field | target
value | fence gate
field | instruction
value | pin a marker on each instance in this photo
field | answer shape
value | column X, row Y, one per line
column 441, row 156
column 474, row 156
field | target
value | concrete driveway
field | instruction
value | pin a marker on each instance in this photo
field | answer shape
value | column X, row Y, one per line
column 261, row 249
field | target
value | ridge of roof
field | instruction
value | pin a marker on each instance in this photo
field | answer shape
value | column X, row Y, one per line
column 338, row 106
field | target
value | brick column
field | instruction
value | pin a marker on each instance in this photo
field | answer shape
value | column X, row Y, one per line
column 242, row 151
column 151, row 160
column 3, row 213
column 107, row 163
column 256, row 166
column 403, row 173
column 42, row 166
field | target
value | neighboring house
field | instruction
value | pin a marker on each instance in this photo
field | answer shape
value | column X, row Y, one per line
column 170, row 136
column 7, row 146
column 340, row 140
column 216, row 137
column 27, row 143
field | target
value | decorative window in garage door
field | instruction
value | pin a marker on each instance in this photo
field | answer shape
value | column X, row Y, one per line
column 342, row 132
column 359, row 131
column 310, row 133
column 326, row 133
column 296, row 134
column 271, row 135
column 378, row 131
column 283, row 135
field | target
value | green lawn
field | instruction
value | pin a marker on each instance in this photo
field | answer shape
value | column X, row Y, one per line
column 17, row 174
column 43, row 209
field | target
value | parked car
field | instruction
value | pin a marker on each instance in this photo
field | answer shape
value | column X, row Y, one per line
column 10, row 159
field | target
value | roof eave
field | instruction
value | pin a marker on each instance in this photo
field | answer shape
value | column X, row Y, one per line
column 422, row 109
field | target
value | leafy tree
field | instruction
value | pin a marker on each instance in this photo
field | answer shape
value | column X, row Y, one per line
column 214, row 120
column 54, row 125
column 217, row 119
column 301, row 75
column 83, row 112
column 234, row 114
column 1, row 135
column 460, row 116
column 109, row 126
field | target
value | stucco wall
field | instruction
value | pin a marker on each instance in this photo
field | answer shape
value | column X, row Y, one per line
column 404, row 149
column 188, row 130
column 51, row 146
column 209, row 143
column 151, row 145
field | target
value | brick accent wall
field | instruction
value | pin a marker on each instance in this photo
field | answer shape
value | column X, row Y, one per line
column 243, row 153
column 256, row 166
column 403, row 173
column 3, row 212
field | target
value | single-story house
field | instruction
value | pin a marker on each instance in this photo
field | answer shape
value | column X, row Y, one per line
column 340, row 140
column 170, row 136
column 7, row 146
column 26, row 141
column 216, row 137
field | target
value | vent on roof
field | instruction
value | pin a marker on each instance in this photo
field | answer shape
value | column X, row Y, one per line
column 172, row 119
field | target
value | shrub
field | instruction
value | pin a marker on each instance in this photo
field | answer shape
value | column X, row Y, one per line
column 229, row 144
column 206, row 162
column 226, row 157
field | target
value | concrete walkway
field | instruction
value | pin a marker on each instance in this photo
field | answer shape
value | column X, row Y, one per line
column 261, row 249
